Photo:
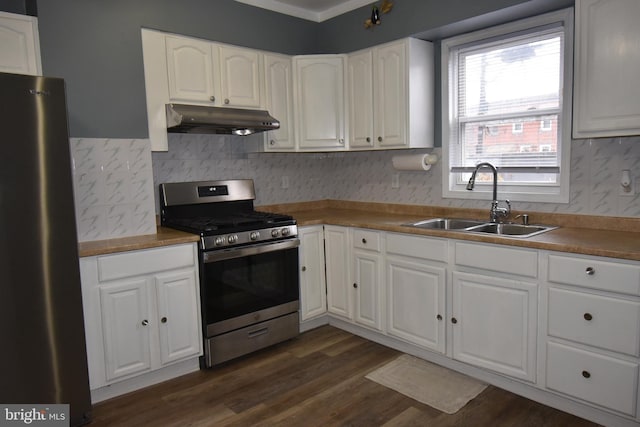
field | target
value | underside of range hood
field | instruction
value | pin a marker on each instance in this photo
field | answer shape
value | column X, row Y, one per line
column 183, row 118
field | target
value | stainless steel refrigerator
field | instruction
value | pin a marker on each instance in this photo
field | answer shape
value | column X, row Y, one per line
column 42, row 343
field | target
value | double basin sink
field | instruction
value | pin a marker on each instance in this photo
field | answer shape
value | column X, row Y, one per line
column 474, row 226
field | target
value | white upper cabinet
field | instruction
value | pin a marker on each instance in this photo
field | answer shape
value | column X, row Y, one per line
column 319, row 93
column 240, row 76
column 278, row 75
column 607, row 60
column 360, row 75
column 19, row 44
column 391, row 95
column 190, row 68
column 220, row 75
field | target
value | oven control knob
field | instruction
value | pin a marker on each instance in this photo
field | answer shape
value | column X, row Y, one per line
column 285, row 231
column 219, row 241
column 254, row 235
column 232, row 238
column 275, row 233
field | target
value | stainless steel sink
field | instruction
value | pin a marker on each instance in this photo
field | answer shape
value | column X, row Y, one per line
column 446, row 224
column 475, row 226
column 513, row 230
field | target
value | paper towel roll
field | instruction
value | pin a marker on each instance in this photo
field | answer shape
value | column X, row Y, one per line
column 414, row 162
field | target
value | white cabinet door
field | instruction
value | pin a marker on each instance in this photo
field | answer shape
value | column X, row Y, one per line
column 494, row 324
column 320, row 101
column 126, row 327
column 416, row 302
column 607, row 60
column 337, row 256
column 19, row 44
column 191, row 70
column 241, row 74
column 177, row 317
column 391, row 95
column 367, row 276
column 361, row 89
column 313, row 296
column 279, row 101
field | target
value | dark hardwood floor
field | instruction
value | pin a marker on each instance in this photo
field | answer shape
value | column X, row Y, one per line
column 317, row 379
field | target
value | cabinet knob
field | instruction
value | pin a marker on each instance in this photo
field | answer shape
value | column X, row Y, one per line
column 368, row 139
column 379, row 139
column 163, row 320
column 272, row 142
column 586, row 374
column 364, row 241
column 226, row 101
column 341, row 141
column 590, row 271
column 145, row 322
column 588, row 316
column 355, row 285
column 439, row 317
column 212, row 98
column 454, row 320
column 304, row 268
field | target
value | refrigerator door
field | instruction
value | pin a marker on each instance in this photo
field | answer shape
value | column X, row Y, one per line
column 43, row 358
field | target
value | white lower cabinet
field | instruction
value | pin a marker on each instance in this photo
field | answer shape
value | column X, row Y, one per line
column 495, row 323
column 337, row 259
column 142, row 311
column 367, row 278
column 593, row 330
column 313, row 296
column 416, row 288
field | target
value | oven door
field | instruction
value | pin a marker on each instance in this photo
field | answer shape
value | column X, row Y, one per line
column 248, row 285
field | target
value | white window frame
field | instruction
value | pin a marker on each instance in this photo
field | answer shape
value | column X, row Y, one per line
column 532, row 193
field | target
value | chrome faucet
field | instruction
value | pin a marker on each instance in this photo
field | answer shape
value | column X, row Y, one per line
column 497, row 213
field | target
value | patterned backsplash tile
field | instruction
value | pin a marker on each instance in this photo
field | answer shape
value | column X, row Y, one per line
column 113, row 187
column 116, row 180
column 367, row 176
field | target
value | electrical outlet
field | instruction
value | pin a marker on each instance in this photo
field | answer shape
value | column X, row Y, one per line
column 285, row 182
column 630, row 191
column 395, row 180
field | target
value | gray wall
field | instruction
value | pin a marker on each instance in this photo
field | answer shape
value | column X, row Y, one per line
column 95, row 44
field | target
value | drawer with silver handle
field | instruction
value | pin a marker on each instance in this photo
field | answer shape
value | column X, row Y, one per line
column 595, row 378
column 595, row 320
column 595, row 273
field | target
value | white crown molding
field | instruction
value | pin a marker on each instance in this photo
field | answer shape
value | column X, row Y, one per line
column 308, row 14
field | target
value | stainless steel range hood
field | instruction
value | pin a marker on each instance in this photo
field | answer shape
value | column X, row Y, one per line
column 182, row 118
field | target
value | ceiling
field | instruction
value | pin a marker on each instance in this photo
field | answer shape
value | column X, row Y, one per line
column 313, row 10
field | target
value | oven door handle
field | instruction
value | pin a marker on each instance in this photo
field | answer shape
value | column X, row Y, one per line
column 214, row 256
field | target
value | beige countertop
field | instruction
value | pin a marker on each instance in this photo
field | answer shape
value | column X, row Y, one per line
column 580, row 234
column 164, row 237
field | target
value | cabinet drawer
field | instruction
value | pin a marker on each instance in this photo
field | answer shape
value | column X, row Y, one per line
column 609, row 323
column 367, row 239
column 595, row 273
column 417, row 247
column 592, row 377
column 502, row 259
column 134, row 263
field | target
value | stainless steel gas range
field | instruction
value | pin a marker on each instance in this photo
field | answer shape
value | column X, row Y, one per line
column 248, row 265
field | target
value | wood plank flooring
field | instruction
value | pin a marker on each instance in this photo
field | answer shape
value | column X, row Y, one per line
column 316, row 379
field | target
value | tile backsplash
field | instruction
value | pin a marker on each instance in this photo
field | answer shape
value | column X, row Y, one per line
column 116, row 180
column 113, row 187
column 367, row 176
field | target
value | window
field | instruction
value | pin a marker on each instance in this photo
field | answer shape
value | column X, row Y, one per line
column 507, row 101
column 517, row 128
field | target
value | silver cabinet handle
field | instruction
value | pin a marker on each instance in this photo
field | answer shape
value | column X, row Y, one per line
column 163, row 320
column 145, row 322
column 304, row 268
column 341, row 141
column 590, row 271
column 212, row 98
column 226, row 101
column 272, row 142
column 368, row 139
column 379, row 139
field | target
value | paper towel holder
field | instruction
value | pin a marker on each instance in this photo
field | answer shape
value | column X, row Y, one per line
column 414, row 162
